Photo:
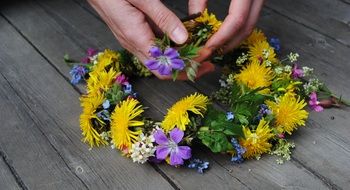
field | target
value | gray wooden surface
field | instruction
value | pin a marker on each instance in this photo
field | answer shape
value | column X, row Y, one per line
column 40, row 145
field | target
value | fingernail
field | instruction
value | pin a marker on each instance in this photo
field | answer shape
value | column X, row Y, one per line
column 179, row 35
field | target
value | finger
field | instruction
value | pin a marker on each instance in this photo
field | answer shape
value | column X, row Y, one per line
column 196, row 6
column 234, row 21
column 248, row 27
column 166, row 20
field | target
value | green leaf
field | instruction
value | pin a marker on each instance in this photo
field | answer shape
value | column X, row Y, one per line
column 175, row 74
column 242, row 119
column 234, row 130
column 188, row 51
column 217, row 142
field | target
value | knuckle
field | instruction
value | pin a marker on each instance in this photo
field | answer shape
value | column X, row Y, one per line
column 163, row 18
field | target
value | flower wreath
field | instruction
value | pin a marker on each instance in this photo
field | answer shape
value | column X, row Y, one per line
column 266, row 99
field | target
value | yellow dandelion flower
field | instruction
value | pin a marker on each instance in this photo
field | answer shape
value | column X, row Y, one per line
column 255, row 37
column 101, row 81
column 255, row 75
column 257, row 142
column 89, row 105
column 262, row 51
column 289, row 113
column 178, row 114
column 210, row 20
column 122, row 119
column 107, row 58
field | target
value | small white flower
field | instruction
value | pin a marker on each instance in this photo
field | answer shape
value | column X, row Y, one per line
column 268, row 63
column 222, row 83
column 143, row 149
column 288, row 68
column 241, row 59
column 307, row 71
column 293, row 57
column 278, row 70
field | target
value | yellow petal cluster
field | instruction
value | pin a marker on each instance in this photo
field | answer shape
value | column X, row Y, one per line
column 257, row 142
column 289, row 113
column 123, row 120
column 177, row 115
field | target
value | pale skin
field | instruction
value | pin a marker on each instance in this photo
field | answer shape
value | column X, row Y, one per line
column 135, row 24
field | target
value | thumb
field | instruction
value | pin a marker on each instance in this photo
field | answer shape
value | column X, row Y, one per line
column 196, row 6
column 166, row 20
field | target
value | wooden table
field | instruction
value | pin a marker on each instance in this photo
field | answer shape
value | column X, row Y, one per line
column 40, row 139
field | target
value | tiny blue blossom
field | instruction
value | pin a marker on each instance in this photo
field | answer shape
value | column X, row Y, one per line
column 238, row 158
column 230, row 116
column 276, row 44
column 77, row 72
column 128, row 89
column 199, row 165
column 104, row 114
column 106, row 104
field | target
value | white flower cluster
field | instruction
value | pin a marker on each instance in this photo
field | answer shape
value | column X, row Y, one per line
column 241, row 59
column 288, row 68
column 293, row 57
column 143, row 149
column 312, row 86
column 307, row 71
column 231, row 79
column 279, row 70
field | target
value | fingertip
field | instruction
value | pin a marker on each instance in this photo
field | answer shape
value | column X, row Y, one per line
column 179, row 35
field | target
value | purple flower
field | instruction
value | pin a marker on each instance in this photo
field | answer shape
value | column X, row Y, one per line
column 122, row 79
column 165, row 61
column 78, row 72
column 314, row 103
column 170, row 146
column 297, row 72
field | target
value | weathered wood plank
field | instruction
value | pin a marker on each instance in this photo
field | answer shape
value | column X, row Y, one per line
column 7, row 179
column 330, row 60
column 182, row 181
column 53, row 105
column 27, row 149
column 318, row 15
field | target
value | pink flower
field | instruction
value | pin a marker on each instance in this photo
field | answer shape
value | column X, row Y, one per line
column 122, row 79
column 281, row 136
column 314, row 103
column 90, row 53
column 297, row 72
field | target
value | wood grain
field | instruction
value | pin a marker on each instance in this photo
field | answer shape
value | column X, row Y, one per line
column 331, row 62
column 318, row 15
column 7, row 179
column 53, row 105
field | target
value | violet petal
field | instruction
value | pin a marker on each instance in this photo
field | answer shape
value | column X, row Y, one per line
column 184, row 152
column 152, row 64
column 162, row 152
column 177, row 64
column 171, row 53
column 175, row 159
column 160, row 137
column 164, row 70
column 155, row 52
column 176, row 135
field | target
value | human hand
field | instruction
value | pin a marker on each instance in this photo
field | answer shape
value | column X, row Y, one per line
column 238, row 24
column 134, row 22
